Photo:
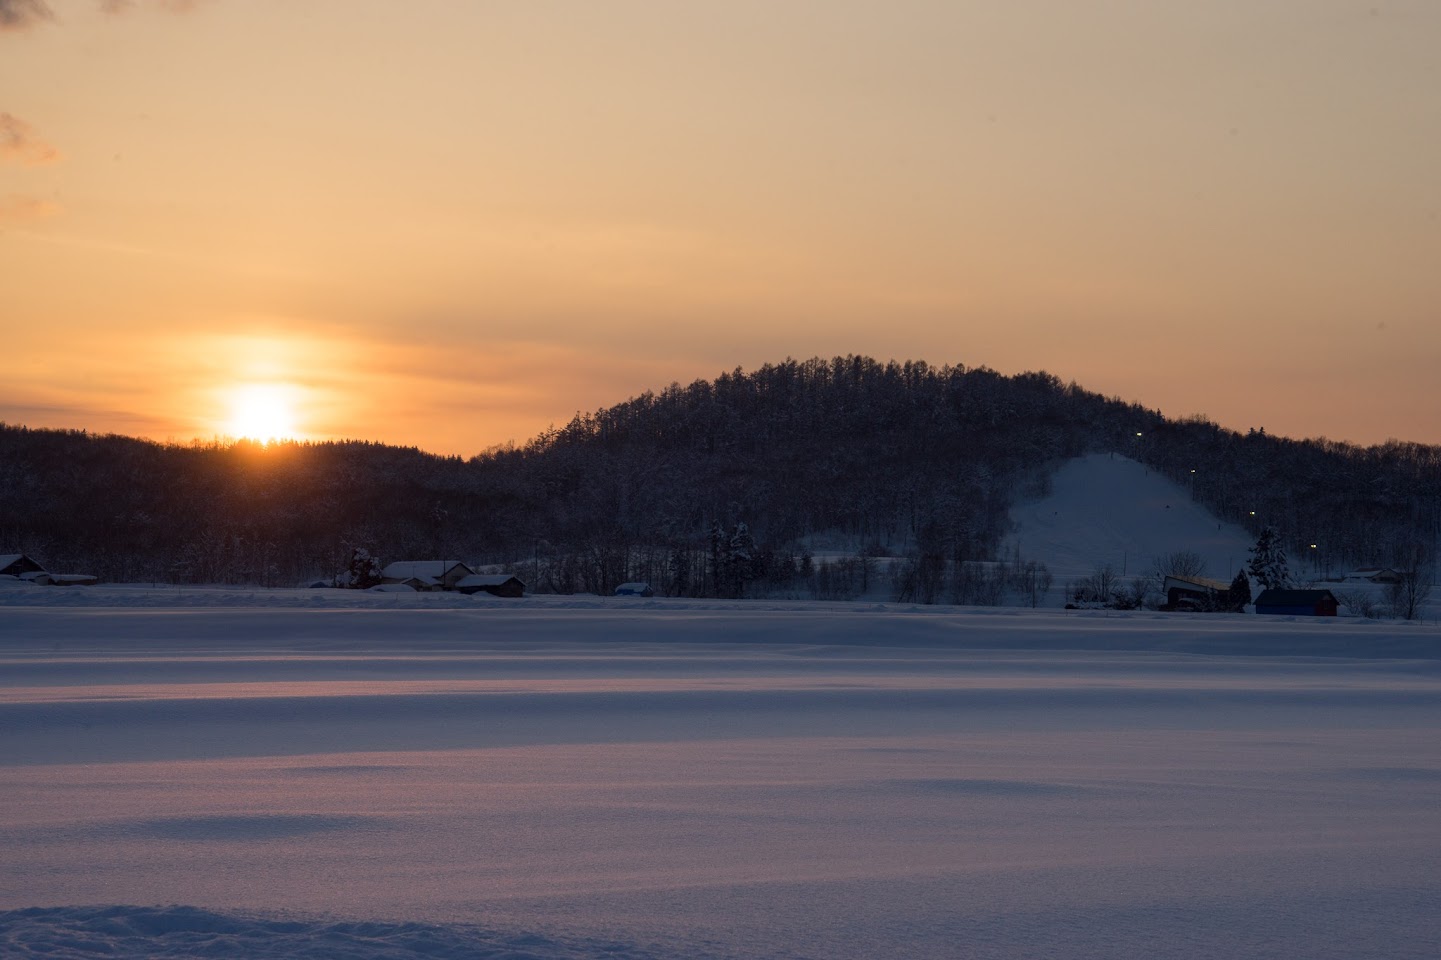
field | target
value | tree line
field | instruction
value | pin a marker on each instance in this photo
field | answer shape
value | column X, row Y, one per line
column 715, row 488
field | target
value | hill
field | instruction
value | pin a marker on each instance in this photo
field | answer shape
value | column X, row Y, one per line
column 709, row 489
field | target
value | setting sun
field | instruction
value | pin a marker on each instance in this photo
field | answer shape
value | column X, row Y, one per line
column 262, row 411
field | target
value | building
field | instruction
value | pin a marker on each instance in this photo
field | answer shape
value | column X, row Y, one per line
column 636, row 589
column 16, row 564
column 1195, row 593
column 1302, row 603
column 1373, row 575
column 497, row 584
column 426, row 574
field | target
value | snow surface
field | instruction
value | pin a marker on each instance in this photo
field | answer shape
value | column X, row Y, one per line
column 342, row 774
column 1107, row 509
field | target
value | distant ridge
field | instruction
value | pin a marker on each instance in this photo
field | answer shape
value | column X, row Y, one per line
column 895, row 458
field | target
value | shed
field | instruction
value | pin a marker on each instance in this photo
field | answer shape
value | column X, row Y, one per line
column 16, row 564
column 1195, row 593
column 1303, row 603
column 420, row 584
column 636, row 589
column 446, row 573
column 73, row 579
column 497, row 584
column 1373, row 575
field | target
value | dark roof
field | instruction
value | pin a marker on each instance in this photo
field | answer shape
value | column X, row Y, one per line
column 1292, row 598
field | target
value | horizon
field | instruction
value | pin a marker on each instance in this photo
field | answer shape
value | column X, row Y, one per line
column 230, row 440
column 450, row 227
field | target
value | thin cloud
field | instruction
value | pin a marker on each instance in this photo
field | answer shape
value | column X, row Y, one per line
column 19, row 144
column 118, row 7
column 18, row 208
column 23, row 14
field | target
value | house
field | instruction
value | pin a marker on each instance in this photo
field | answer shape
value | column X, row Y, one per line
column 444, row 573
column 1304, row 603
column 15, row 564
column 1373, row 575
column 420, row 584
column 636, row 589
column 1195, row 593
column 497, row 584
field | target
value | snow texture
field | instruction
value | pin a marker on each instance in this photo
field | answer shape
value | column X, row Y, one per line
column 186, row 932
column 613, row 778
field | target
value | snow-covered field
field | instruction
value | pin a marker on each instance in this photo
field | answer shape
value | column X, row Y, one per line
column 289, row 773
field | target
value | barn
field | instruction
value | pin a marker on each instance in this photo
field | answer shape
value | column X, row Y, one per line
column 498, row 584
column 1303, row 603
column 426, row 574
column 1195, row 593
column 16, row 564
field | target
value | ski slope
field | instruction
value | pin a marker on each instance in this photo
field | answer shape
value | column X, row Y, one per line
column 1107, row 509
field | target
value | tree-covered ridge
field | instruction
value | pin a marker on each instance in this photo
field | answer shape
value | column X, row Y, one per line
column 903, row 458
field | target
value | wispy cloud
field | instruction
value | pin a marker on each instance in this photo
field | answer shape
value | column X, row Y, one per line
column 17, row 15
column 19, row 144
column 18, row 208
column 23, row 14
column 116, row 7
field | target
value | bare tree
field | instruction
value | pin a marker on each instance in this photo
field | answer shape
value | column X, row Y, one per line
column 1358, row 600
column 1182, row 563
column 1415, row 572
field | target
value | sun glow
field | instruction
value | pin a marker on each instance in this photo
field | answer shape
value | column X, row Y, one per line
column 263, row 412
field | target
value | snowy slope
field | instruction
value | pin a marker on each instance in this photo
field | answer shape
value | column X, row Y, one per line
column 1107, row 509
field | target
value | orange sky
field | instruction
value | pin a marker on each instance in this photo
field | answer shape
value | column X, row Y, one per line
column 451, row 224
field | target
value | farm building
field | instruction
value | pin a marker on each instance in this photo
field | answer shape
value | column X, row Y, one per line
column 426, row 574
column 1373, row 575
column 16, row 564
column 498, row 584
column 1305, row 603
column 1195, row 593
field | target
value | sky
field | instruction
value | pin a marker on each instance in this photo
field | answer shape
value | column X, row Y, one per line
column 451, row 224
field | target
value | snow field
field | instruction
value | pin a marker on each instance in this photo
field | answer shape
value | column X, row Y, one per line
column 669, row 779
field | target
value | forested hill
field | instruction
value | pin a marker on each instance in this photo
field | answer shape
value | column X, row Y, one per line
column 901, row 458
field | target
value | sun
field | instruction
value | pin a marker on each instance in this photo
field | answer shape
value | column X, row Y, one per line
column 263, row 412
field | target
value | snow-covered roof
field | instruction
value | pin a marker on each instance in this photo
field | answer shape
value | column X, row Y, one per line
column 405, row 569
column 426, row 581
column 1199, row 582
column 634, row 587
column 1370, row 574
column 392, row 588
column 7, row 559
column 1290, row 598
column 485, row 580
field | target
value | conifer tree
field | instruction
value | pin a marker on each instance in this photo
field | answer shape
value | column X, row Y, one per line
column 741, row 559
column 1239, row 593
column 1268, row 562
column 363, row 571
